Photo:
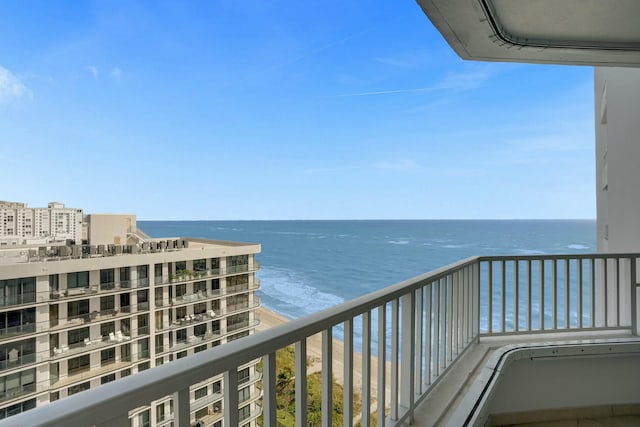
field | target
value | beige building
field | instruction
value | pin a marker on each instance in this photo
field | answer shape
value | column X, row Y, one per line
column 20, row 224
column 75, row 317
column 617, row 99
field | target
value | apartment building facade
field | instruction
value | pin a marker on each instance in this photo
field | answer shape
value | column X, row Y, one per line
column 75, row 317
column 20, row 224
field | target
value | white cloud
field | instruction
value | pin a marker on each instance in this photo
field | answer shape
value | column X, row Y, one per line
column 94, row 71
column 468, row 80
column 116, row 74
column 11, row 88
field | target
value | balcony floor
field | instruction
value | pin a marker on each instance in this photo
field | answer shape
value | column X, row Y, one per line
column 453, row 397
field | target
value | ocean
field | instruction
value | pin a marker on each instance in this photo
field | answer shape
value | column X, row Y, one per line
column 311, row 265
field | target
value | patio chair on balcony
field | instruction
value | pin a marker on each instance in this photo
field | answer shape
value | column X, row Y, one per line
column 120, row 336
column 112, row 336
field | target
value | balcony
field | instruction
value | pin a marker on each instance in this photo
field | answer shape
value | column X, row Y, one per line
column 457, row 331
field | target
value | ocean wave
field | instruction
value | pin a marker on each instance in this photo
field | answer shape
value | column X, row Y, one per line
column 287, row 291
column 398, row 242
column 453, row 246
column 577, row 246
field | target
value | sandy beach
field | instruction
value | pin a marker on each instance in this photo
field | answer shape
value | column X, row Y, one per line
column 269, row 319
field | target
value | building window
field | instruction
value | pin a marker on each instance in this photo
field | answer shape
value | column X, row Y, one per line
column 238, row 263
column 240, row 282
column 77, row 308
column 200, row 308
column 143, row 271
column 181, row 335
column 125, row 277
column 181, row 265
column 107, row 356
column 144, row 419
column 125, row 373
column 76, row 336
column 244, row 413
column 107, row 278
column 159, row 343
column 200, row 287
column 215, row 326
column 143, row 366
column 17, row 353
column 54, row 283
column 143, row 300
column 107, row 328
column 200, row 348
column 143, row 324
column 215, row 284
column 17, row 291
column 125, row 302
column 157, row 272
column 143, row 348
column 17, row 322
column 160, row 413
column 79, row 364
column 238, row 321
column 107, row 378
column 79, row 279
column 199, row 265
column 19, row 383
column 244, row 394
column 243, row 375
column 18, row 408
column 181, row 354
column 200, row 330
column 181, row 290
column 200, row 393
column 125, row 353
column 78, row 388
column 238, row 336
column 107, row 304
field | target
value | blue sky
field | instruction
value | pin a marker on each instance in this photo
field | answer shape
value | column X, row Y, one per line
column 282, row 110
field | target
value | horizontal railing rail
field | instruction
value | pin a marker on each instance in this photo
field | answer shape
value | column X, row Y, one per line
column 543, row 293
column 421, row 326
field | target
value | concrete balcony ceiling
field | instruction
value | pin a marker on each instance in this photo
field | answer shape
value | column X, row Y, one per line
column 578, row 32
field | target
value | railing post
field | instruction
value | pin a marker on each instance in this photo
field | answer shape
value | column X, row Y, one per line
column 382, row 363
column 633, row 283
column 327, row 378
column 301, row 382
column 407, row 367
column 394, row 359
column 181, row 415
column 230, row 405
column 269, row 384
column 348, row 374
column 366, row 368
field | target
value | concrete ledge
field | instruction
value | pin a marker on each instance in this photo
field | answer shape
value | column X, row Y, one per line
column 492, row 384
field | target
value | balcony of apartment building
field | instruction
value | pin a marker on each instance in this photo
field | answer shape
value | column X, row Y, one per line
column 487, row 340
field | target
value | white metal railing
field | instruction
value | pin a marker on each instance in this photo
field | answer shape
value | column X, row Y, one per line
column 426, row 322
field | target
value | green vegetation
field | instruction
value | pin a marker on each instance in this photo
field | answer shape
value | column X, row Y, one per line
column 285, row 388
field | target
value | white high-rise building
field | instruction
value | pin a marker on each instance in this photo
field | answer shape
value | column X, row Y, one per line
column 73, row 317
column 20, row 224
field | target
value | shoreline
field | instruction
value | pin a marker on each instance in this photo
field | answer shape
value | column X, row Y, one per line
column 270, row 319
